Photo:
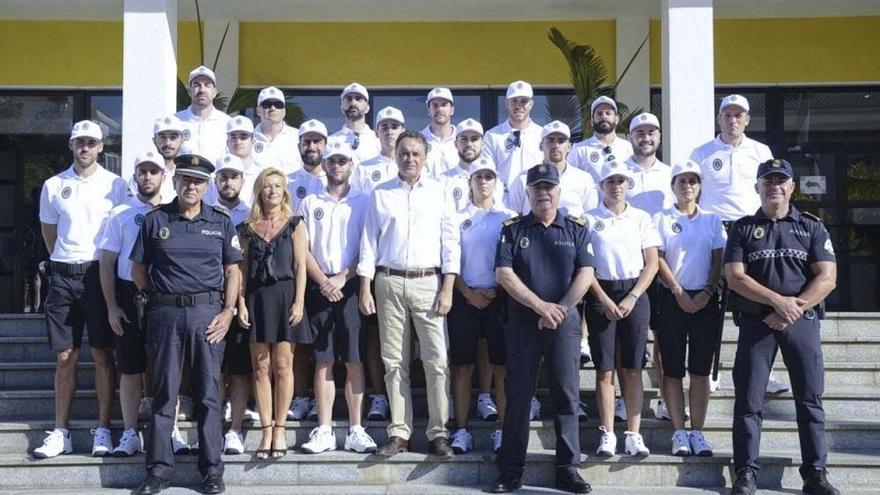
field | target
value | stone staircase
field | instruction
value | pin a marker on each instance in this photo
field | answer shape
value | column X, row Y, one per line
column 852, row 402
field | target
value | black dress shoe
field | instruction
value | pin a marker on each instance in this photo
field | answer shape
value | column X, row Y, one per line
column 213, row 483
column 506, row 485
column 394, row 445
column 745, row 482
column 572, row 482
column 151, row 485
column 440, row 447
column 816, row 483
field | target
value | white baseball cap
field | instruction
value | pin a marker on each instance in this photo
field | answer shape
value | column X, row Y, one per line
column 229, row 162
column 355, row 88
column 169, row 123
column 390, row 113
column 150, row 156
column 687, row 166
column 519, row 88
column 738, row 100
column 484, row 162
column 469, row 125
column 313, row 125
column 338, row 146
column 613, row 168
column 240, row 124
column 602, row 100
column 444, row 93
column 202, row 71
column 644, row 119
column 270, row 93
column 555, row 127
column 86, row 128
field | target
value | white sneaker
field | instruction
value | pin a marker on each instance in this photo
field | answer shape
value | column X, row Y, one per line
column 57, row 442
column 251, row 415
column 321, row 439
column 714, row 385
column 102, row 443
column 681, row 446
column 178, row 444
column 486, row 408
column 582, row 411
column 145, row 409
column 660, row 411
column 233, row 443
column 535, row 409
column 194, row 447
column 496, row 440
column 378, row 407
column 462, row 441
column 358, row 440
column 619, row 409
column 607, row 443
column 586, row 357
column 699, row 445
column 776, row 386
column 185, row 411
column 299, row 409
column 129, row 444
column 313, row 410
column 635, row 445
column 227, row 411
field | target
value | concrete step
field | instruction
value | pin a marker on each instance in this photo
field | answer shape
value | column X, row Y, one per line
column 423, row 489
column 34, row 350
column 41, row 376
column 22, row 325
column 779, row 469
column 841, row 436
column 855, row 349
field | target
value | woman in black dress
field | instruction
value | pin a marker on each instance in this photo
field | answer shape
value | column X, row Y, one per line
column 271, row 302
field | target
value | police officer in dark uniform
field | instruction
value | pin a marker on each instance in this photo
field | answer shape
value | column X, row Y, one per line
column 780, row 262
column 185, row 266
column 543, row 264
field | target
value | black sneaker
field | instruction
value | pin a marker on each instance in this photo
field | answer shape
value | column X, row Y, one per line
column 816, row 483
column 745, row 482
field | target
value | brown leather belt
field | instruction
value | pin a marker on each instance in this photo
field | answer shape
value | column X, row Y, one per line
column 419, row 273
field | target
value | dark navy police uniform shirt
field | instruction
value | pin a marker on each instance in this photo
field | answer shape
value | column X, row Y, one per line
column 778, row 254
column 544, row 258
column 186, row 256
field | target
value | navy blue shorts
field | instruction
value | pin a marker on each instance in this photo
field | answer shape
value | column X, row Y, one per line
column 627, row 336
column 466, row 325
column 339, row 328
column 128, row 348
column 75, row 305
column 684, row 334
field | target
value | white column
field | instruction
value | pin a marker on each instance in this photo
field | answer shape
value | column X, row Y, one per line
column 688, row 76
column 635, row 88
column 227, row 65
column 149, row 72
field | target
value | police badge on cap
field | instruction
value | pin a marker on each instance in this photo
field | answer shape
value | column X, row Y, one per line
column 194, row 166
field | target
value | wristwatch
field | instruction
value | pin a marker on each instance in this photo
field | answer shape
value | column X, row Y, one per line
column 231, row 308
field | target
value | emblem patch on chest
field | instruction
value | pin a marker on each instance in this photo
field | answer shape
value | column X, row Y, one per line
column 758, row 233
column 676, row 227
column 258, row 147
column 524, row 243
column 600, row 226
column 319, row 213
column 65, row 193
column 164, row 233
column 716, row 164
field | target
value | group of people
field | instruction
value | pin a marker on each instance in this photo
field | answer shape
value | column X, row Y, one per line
column 236, row 255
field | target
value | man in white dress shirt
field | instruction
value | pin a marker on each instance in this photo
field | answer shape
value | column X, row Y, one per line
column 205, row 126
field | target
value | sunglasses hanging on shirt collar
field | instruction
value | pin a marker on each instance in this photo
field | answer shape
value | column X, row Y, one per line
column 357, row 141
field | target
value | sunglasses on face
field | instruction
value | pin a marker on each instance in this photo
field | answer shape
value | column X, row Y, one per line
column 273, row 103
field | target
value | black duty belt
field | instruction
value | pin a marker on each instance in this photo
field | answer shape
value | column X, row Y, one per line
column 71, row 268
column 618, row 285
column 185, row 300
column 418, row 273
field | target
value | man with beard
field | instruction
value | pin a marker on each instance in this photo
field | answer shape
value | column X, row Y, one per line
column 240, row 144
column 204, row 125
column 168, row 138
column 310, row 179
column 355, row 104
column 440, row 133
column 118, row 287
column 456, row 181
column 604, row 145
column 74, row 205
column 515, row 144
column 275, row 142
column 369, row 174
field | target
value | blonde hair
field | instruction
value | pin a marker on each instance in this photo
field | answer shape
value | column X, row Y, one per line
column 257, row 207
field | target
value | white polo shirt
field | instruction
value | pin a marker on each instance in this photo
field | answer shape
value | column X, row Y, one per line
column 442, row 153
column 238, row 214
column 456, row 188
column 121, row 231
column 371, row 173
column 368, row 144
column 589, row 155
column 79, row 206
column 302, row 183
column 652, row 187
column 511, row 160
column 729, row 176
column 687, row 244
column 478, row 232
column 246, row 195
column 281, row 152
column 577, row 193
column 205, row 137
column 617, row 241
column 334, row 228
column 405, row 230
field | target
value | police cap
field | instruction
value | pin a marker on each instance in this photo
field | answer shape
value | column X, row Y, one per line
column 775, row 166
column 542, row 173
column 194, row 166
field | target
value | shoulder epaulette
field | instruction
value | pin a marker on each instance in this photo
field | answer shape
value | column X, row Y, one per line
column 511, row 221
column 578, row 220
column 220, row 209
column 811, row 216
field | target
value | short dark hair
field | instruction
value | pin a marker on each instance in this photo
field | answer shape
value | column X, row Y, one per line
column 411, row 134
